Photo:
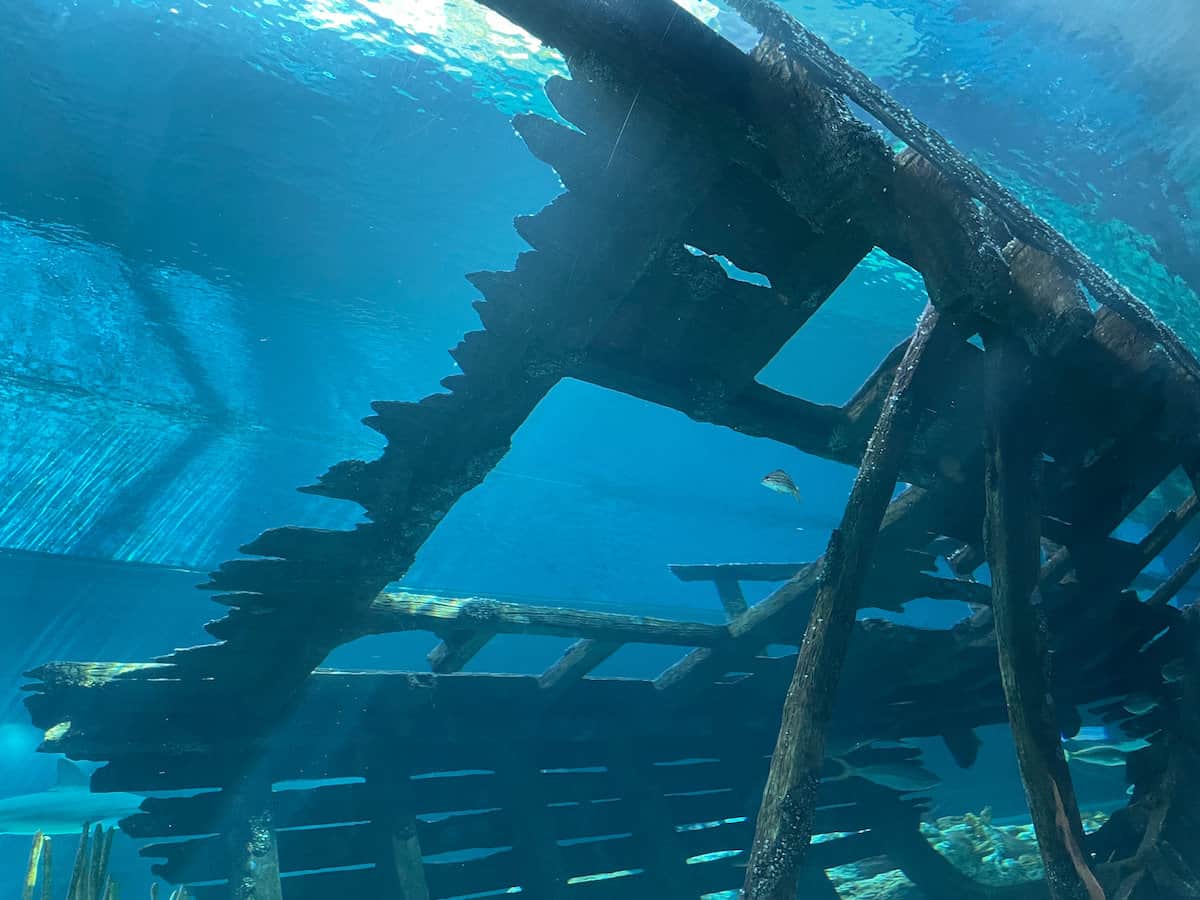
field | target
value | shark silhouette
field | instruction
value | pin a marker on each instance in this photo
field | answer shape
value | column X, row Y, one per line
column 66, row 807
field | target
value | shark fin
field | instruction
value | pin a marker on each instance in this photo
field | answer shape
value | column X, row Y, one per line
column 71, row 777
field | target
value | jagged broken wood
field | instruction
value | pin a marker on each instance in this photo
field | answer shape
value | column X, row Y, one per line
column 785, row 819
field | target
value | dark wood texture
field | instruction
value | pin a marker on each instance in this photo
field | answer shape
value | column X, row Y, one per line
column 789, row 803
column 1012, row 538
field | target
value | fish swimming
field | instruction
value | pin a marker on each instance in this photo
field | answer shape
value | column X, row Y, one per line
column 781, row 482
column 1139, row 704
column 1173, row 671
column 1098, row 755
column 899, row 776
column 66, row 807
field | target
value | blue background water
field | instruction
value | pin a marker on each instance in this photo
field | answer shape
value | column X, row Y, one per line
column 226, row 227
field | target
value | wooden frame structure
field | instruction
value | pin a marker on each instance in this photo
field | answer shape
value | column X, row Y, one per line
column 573, row 786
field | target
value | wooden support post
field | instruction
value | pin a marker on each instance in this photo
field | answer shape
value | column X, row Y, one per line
column 398, row 861
column 457, row 650
column 579, row 659
column 1012, row 538
column 730, row 592
column 665, row 862
column 785, row 821
column 534, row 840
column 255, row 856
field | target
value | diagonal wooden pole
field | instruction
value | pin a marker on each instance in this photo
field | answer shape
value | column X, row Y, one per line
column 785, row 820
column 1012, row 537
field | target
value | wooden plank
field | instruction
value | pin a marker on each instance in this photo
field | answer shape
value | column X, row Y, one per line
column 344, row 885
column 394, row 840
column 726, row 836
column 785, row 821
column 1168, row 528
column 845, row 850
column 493, row 828
column 578, row 820
column 447, row 793
column 495, row 872
column 1012, row 540
column 732, row 599
column 535, row 846
column 452, row 654
column 209, row 891
column 1177, row 579
column 558, row 787
column 909, row 518
column 711, row 876
column 324, row 805
column 662, row 855
column 579, row 659
column 622, row 887
column 607, row 853
column 736, row 571
column 702, row 774
column 198, row 859
column 326, row 847
column 402, row 611
column 686, row 809
column 178, row 816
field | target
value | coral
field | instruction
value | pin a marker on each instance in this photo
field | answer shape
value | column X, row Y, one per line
column 991, row 854
column 89, row 877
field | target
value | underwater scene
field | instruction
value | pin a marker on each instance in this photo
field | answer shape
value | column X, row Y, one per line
column 599, row 449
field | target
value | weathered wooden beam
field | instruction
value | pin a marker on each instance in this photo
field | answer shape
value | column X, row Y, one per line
column 458, row 649
column 579, row 659
column 830, row 69
column 256, row 859
column 1061, row 562
column 751, row 409
column 1012, row 538
column 782, row 616
column 1168, row 528
column 737, row 571
column 534, row 839
column 785, row 821
column 732, row 599
column 398, row 864
column 666, row 861
column 391, row 612
column 1176, row 580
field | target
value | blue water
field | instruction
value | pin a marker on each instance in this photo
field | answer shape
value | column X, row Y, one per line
column 225, row 228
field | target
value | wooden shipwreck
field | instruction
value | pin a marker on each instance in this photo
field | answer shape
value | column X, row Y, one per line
column 1024, row 456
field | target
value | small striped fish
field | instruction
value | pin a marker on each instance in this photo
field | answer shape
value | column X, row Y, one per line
column 781, row 482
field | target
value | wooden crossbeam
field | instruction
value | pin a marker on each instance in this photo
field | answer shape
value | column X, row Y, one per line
column 479, row 616
column 458, row 649
column 1177, row 579
column 580, row 659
